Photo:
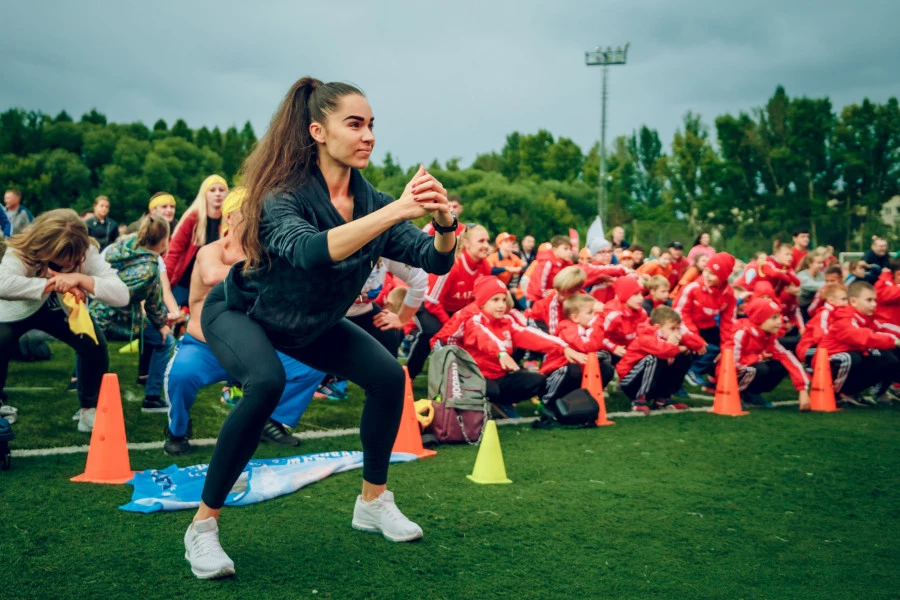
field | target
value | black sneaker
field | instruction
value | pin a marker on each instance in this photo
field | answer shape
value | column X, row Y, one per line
column 73, row 386
column 154, row 404
column 176, row 445
column 276, row 433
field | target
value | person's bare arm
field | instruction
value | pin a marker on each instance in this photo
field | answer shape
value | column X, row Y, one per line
column 210, row 265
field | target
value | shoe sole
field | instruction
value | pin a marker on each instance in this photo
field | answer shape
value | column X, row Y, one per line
column 218, row 574
column 164, row 409
column 375, row 529
column 293, row 443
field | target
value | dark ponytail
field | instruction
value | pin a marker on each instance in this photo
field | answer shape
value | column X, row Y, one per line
column 286, row 155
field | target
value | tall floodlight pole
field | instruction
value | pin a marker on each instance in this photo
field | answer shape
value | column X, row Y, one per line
column 604, row 58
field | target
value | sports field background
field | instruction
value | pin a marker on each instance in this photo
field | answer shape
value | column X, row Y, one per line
column 777, row 504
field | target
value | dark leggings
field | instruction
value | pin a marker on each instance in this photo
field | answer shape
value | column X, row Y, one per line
column 94, row 359
column 429, row 325
column 247, row 352
column 389, row 338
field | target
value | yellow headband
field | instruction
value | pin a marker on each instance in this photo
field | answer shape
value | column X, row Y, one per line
column 233, row 202
column 162, row 200
column 211, row 180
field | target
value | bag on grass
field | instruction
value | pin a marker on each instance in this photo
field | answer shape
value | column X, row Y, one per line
column 457, row 387
column 578, row 407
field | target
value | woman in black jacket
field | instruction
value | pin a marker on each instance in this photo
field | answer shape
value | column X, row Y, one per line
column 313, row 230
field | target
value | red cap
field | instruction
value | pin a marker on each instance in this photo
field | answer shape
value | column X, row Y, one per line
column 763, row 289
column 721, row 264
column 486, row 288
column 626, row 287
column 759, row 310
column 502, row 237
column 584, row 253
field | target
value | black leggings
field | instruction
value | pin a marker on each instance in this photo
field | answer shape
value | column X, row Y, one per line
column 247, row 352
column 389, row 338
column 94, row 359
column 429, row 325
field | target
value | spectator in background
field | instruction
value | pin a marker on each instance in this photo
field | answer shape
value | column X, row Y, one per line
column 655, row 251
column 692, row 274
column 504, row 258
column 198, row 226
column 618, row 239
column 876, row 259
column 701, row 246
column 123, row 229
column 812, row 279
column 680, row 263
column 661, row 266
column 801, row 246
column 529, row 252
column 637, row 253
column 17, row 215
column 5, row 225
column 100, row 226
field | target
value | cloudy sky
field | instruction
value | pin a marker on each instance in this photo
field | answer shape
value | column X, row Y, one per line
column 449, row 80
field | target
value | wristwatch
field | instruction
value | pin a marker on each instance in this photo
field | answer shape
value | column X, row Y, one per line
column 449, row 228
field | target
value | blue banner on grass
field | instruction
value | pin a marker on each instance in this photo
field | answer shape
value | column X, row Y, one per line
column 178, row 489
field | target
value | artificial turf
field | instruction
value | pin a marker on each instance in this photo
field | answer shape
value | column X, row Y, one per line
column 776, row 504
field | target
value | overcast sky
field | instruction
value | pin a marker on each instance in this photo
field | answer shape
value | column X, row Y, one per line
column 450, row 80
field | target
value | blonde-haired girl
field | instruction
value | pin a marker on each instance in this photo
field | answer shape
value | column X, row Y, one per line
column 198, row 226
column 136, row 260
column 55, row 254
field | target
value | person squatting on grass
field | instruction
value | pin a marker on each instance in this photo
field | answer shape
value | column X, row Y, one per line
column 52, row 257
column 313, row 228
column 762, row 362
column 861, row 351
column 194, row 366
column 582, row 329
column 655, row 361
column 491, row 335
column 136, row 261
column 833, row 296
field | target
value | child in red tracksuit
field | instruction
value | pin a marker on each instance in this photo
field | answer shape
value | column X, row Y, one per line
column 621, row 318
column 547, row 313
column 833, row 295
column 776, row 269
column 655, row 362
column 762, row 362
column 657, row 293
column 887, row 290
column 582, row 330
column 701, row 302
column 491, row 335
column 548, row 266
column 861, row 356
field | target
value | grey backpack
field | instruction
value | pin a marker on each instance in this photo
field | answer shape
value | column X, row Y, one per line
column 454, row 378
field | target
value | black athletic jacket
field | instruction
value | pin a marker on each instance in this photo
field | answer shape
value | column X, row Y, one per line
column 303, row 292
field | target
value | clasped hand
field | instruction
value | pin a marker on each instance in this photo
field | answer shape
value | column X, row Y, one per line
column 424, row 195
column 66, row 282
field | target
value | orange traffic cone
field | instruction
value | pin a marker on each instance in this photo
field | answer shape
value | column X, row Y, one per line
column 592, row 382
column 409, row 437
column 728, row 397
column 107, row 460
column 821, row 395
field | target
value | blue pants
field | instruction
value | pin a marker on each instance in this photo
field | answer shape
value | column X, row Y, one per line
column 193, row 367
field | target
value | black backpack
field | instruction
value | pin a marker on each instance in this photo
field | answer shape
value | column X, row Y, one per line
column 578, row 407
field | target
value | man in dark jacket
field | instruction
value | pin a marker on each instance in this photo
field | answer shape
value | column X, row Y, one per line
column 100, row 226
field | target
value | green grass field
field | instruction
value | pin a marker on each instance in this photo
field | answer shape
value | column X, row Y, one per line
column 777, row 504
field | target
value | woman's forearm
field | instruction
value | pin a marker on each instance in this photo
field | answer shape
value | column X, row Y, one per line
column 346, row 239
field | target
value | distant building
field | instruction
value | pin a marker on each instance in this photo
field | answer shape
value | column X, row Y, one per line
column 890, row 212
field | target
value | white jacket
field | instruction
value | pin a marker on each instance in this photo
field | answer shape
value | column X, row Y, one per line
column 22, row 292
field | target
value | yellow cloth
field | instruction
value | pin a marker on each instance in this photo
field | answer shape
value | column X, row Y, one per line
column 79, row 320
column 424, row 412
column 233, row 202
column 162, row 200
column 211, row 180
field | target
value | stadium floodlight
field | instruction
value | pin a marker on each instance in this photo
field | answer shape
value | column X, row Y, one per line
column 604, row 58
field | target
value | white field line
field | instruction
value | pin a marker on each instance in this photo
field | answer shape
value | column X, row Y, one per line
column 329, row 433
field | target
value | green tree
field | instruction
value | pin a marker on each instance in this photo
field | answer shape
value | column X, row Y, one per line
column 181, row 129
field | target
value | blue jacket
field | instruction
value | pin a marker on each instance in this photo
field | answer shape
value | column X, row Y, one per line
column 5, row 225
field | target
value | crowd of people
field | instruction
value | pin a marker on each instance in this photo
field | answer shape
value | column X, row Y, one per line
column 305, row 279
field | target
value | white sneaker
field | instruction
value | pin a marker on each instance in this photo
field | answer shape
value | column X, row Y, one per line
column 382, row 516
column 86, row 420
column 77, row 415
column 203, row 550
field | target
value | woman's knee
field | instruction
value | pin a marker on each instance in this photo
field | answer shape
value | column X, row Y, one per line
column 265, row 382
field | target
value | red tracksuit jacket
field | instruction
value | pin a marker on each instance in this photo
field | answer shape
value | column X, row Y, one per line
column 648, row 340
column 749, row 344
column 777, row 274
column 548, row 310
column 620, row 324
column 584, row 339
column 852, row 331
column 816, row 328
column 699, row 305
column 888, row 293
column 451, row 292
column 485, row 338
column 541, row 283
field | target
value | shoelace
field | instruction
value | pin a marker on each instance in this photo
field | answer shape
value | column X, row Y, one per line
column 207, row 543
column 392, row 512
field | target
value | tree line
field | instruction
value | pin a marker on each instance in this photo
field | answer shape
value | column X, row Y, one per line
column 749, row 178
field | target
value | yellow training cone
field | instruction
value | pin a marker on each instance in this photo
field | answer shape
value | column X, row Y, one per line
column 489, row 467
column 132, row 348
